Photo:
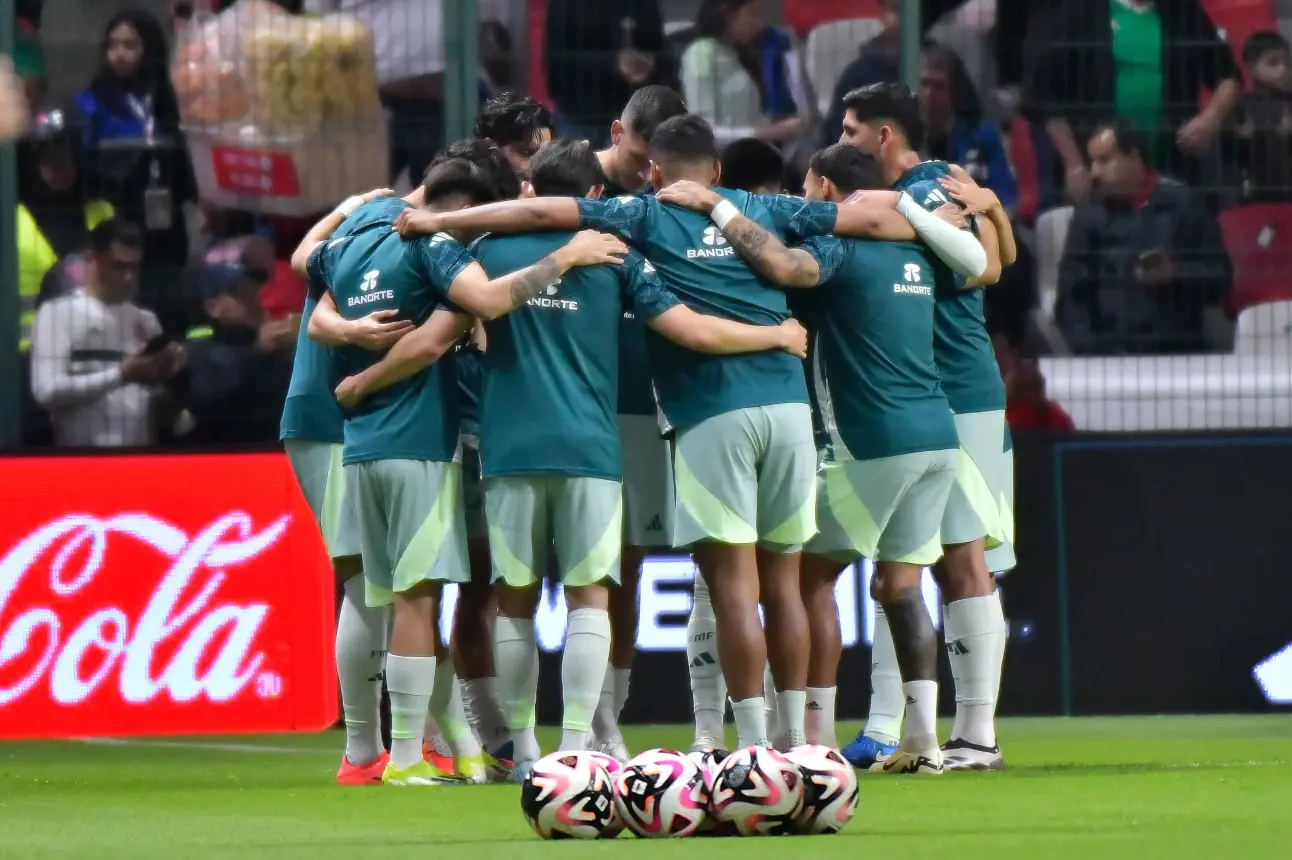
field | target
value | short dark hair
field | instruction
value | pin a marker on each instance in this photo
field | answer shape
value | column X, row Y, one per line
column 650, row 106
column 115, row 231
column 1129, row 137
column 890, row 103
column 512, row 119
column 492, row 163
column 749, row 163
column 565, row 168
column 1263, row 42
column 711, row 19
column 849, row 168
column 457, row 177
column 684, row 140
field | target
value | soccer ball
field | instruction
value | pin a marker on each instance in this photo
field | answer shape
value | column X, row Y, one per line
column 829, row 789
column 661, row 793
column 758, row 792
column 709, row 762
column 568, row 795
column 611, row 766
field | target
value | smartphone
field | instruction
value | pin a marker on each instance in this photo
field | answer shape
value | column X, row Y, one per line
column 157, row 344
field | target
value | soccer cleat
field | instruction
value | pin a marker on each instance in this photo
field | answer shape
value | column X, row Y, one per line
column 613, row 748
column 421, row 774
column 439, row 756
column 481, row 769
column 362, row 774
column 901, row 761
column 959, row 754
column 521, row 770
column 865, row 751
column 705, row 743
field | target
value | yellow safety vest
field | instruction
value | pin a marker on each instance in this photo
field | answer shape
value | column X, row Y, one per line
column 36, row 257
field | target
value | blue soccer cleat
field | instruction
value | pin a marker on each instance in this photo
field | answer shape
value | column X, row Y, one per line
column 864, row 751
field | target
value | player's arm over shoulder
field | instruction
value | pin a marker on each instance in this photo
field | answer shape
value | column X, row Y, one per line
column 412, row 354
column 764, row 251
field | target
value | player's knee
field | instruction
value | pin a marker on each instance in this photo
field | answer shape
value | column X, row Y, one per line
column 587, row 597
column 963, row 572
column 893, row 578
column 518, row 602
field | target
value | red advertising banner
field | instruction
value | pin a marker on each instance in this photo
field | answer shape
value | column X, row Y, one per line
column 161, row 595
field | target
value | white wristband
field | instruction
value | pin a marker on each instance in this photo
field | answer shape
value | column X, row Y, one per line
column 906, row 205
column 723, row 213
column 349, row 206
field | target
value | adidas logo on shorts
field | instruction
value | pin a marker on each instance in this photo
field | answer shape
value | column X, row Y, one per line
column 655, row 525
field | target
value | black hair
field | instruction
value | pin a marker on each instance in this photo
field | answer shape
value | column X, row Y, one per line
column 683, row 140
column 512, row 119
column 491, row 161
column 115, row 231
column 750, row 163
column 891, row 104
column 153, row 78
column 650, row 106
column 1263, row 42
column 1130, row 138
column 457, row 177
column 965, row 103
column 565, row 168
column 848, row 167
column 711, row 20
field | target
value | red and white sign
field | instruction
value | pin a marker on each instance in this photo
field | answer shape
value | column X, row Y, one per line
column 255, row 172
column 161, row 595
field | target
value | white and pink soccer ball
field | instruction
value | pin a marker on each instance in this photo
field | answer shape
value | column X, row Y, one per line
column 568, row 795
column 757, row 792
column 829, row 789
column 660, row 794
column 611, row 766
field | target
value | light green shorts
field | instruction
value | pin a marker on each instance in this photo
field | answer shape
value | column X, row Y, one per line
column 888, row 509
column 410, row 524
column 747, row 476
column 317, row 466
column 648, row 482
column 1001, row 481
column 973, row 511
column 529, row 515
column 473, row 489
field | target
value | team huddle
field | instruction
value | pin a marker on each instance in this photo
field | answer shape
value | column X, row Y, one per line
column 548, row 360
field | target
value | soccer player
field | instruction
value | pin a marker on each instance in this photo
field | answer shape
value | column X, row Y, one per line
column 885, row 120
column 401, row 443
column 518, row 125
column 311, row 433
column 744, row 459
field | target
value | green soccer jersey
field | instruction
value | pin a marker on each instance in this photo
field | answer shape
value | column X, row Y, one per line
column 552, row 366
column 881, row 393
column 966, row 359
column 470, row 372
column 310, row 412
column 700, row 268
column 636, row 389
column 373, row 269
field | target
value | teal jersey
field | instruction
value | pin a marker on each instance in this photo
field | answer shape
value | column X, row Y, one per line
column 881, row 394
column 311, row 412
column 373, row 269
column 966, row 359
column 470, row 372
column 699, row 267
column 552, row 366
column 636, row 387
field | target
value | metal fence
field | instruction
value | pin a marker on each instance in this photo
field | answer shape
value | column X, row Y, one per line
column 1144, row 156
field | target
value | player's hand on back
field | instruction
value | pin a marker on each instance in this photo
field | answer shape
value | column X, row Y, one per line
column 377, row 193
column 952, row 214
column 689, row 195
column 378, row 331
column 591, row 248
column 794, row 338
column 417, row 222
column 969, row 194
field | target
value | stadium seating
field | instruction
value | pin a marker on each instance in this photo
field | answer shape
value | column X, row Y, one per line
column 1259, row 241
column 1238, row 19
column 829, row 49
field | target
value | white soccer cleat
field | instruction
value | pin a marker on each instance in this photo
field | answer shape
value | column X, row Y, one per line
column 902, row 761
column 959, row 754
column 706, row 743
column 615, row 748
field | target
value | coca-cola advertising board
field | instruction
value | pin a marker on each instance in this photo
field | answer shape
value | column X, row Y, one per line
column 161, row 595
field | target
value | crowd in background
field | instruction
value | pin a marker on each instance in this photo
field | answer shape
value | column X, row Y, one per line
column 1129, row 124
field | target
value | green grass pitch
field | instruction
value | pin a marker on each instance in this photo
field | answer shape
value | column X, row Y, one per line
column 1169, row 787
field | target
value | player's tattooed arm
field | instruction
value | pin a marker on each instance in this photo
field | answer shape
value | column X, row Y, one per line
column 378, row 331
column 410, row 356
column 767, row 254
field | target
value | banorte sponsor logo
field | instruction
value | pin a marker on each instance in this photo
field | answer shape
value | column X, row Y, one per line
column 212, row 618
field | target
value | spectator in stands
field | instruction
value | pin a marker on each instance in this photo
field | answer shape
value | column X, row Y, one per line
column 734, row 74
column 1144, row 256
column 239, row 364
column 518, row 125
column 137, row 153
column 1150, row 61
column 753, row 165
column 597, row 54
column 57, row 210
column 97, row 357
column 1027, row 409
column 958, row 131
column 879, row 62
column 1267, row 117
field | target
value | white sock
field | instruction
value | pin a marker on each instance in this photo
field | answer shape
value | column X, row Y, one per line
column 605, row 722
column 819, row 720
column 622, row 679
column 921, row 729
column 791, row 707
column 446, row 708
column 516, row 656
column 360, row 655
column 480, row 697
column 887, row 703
column 774, row 728
column 583, row 672
column 975, row 634
column 708, row 688
column 410, row 681
column 751, row 722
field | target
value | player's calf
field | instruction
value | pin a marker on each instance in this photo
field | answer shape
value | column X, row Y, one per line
column 624, row 610
column 788, row 640
column 410, row 679
column 896, row 587
column 584, row 661
column 818, row 577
